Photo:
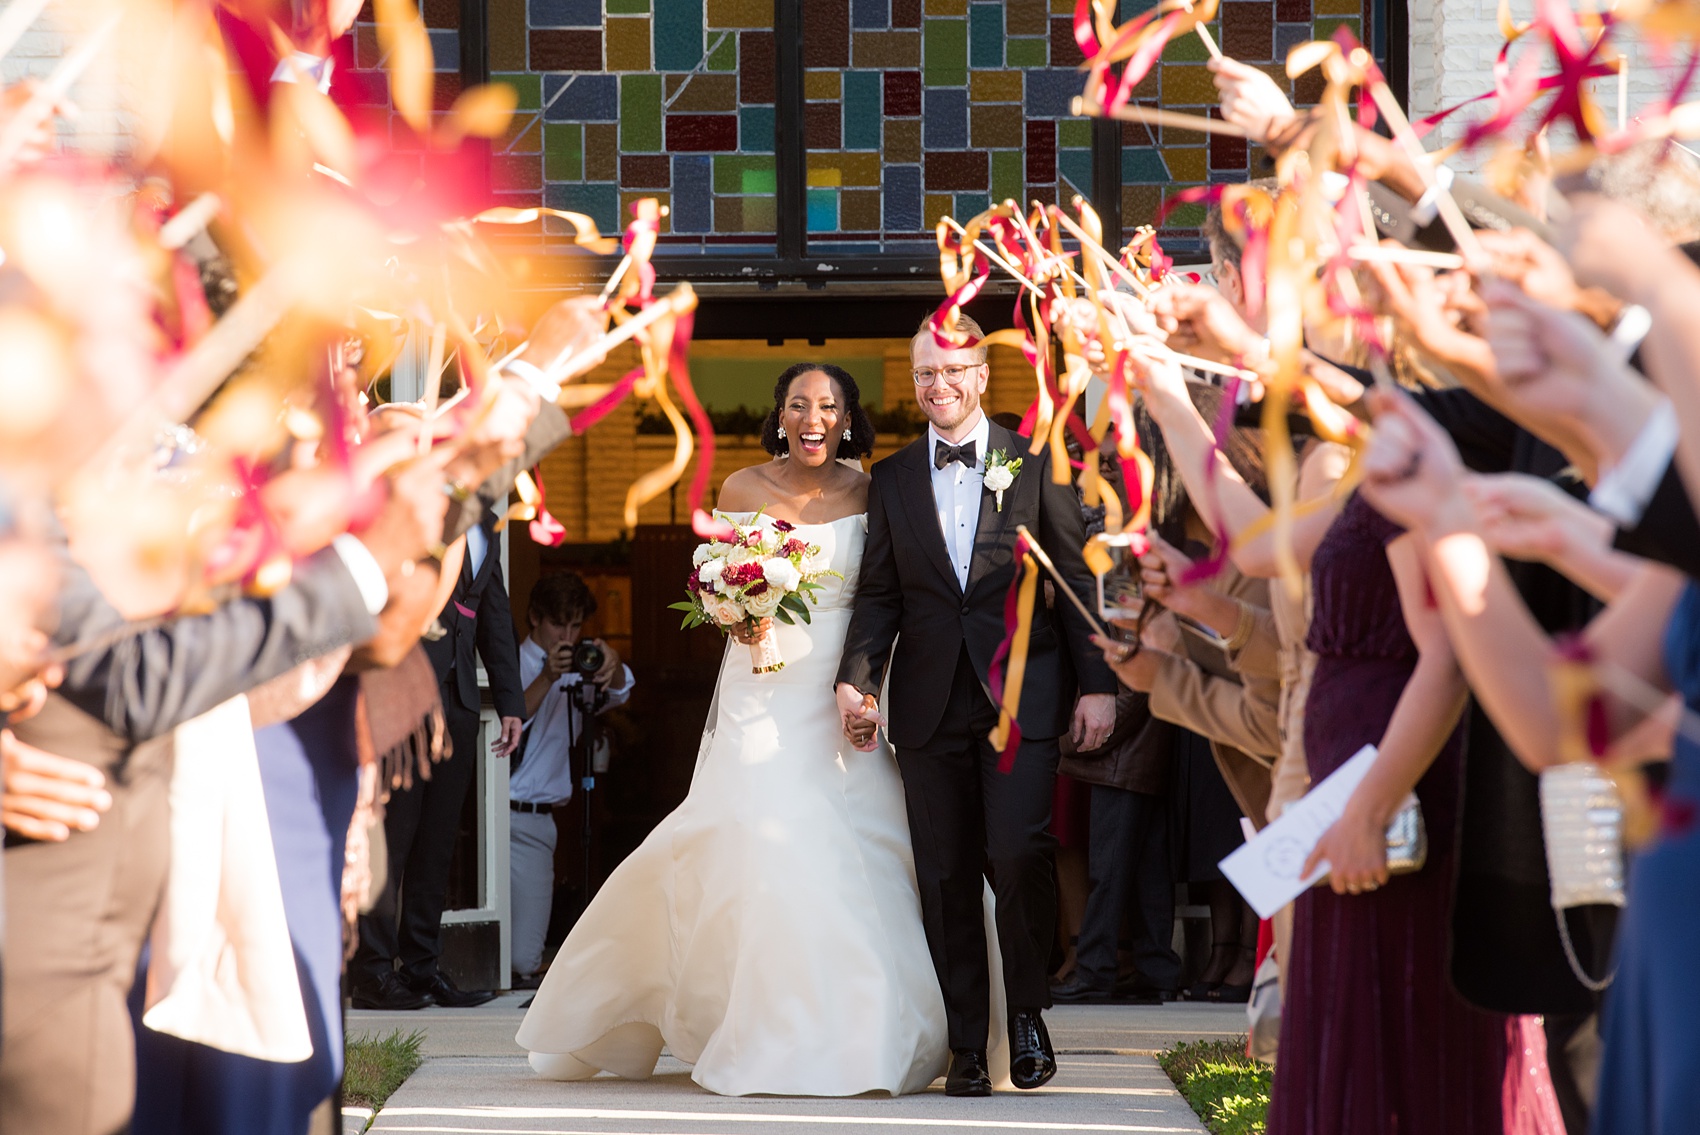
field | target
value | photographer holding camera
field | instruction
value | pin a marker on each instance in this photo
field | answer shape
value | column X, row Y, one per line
column 567, row 682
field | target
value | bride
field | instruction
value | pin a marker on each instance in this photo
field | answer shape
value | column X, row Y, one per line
column 768, row 931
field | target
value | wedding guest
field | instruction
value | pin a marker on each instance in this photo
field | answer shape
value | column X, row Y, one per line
column 1650, row 1071
column 541, row 780
column 395, row 966
column 66, row 1063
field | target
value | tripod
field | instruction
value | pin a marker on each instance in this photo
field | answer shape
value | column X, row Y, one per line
column 584, row 703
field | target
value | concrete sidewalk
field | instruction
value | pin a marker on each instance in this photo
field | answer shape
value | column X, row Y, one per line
column 475, row 1079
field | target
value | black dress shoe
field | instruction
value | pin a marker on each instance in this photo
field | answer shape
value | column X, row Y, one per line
column 1032, row 1061
column 1076, row 992
column 388, row 994
column 968, row 1075
column 442, row 992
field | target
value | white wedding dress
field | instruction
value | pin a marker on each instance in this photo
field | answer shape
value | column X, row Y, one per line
column 768, row 931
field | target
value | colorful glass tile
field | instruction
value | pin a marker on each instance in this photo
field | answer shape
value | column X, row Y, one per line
column 693, row 204
column 996, row 126
column 581, row 98
column 902, row 93
column 628, row 44
column 740, row 13
column 826, row 33
column 557, row 49
column 905, row 13
column 900, row 196
column 1006, row 175
column 563, row 151
column 944, row 53
column 944, row 118
column 678, row 34
column 823, row 210
column 1026, row 17
column 640, row 114
column 862, row 98
column 886, row 50
column 870, row 15
column 902, row 140
column 985, row 35
column 859, row 210
column 706, row 93
column 822, row 85
column 755, row 129
column 564, row 13
column 1025, row 53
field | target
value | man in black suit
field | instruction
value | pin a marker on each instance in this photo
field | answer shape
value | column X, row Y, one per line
column 938, row 564
column 400, row 940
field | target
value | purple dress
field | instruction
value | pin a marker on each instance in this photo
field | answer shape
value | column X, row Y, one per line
column 1373, row 1037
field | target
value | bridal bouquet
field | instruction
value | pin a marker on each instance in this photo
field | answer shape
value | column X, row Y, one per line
column 756, row 572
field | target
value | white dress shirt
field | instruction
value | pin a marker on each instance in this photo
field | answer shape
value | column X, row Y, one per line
column 956, row 492
column 1624, row 490
column 477, row 545
column 545, row 775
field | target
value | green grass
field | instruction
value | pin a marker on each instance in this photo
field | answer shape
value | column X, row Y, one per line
column 377, row 1065
column 1228, row 1089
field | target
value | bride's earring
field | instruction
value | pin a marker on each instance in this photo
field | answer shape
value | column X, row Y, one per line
column 849, row 434
column 781, row 433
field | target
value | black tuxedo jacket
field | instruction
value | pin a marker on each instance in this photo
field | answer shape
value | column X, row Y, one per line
column 908, row 585
column 489, row 630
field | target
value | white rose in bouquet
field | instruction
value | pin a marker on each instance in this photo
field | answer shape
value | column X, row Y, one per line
column 709, row 570
column 781, row 574
column 763, row 605
column 723, row 610
column 702, row 555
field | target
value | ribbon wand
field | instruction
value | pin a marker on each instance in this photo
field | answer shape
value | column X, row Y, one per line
column 1062, row 584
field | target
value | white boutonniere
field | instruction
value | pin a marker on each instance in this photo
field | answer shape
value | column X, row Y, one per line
column 1001, row 471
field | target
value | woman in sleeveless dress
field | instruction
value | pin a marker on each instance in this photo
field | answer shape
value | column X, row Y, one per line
column 768, row 931
column 1373, row 1037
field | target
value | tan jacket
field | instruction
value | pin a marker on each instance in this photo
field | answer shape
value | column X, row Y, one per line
column 1240, row 719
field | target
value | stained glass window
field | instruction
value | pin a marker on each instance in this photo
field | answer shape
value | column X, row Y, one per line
column 621, row 99
column 1157, row 161
column 910, row 109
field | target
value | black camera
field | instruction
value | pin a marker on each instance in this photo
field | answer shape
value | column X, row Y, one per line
column 588, row 658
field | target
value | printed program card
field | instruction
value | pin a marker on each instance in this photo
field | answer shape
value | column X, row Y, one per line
column 1266, row 869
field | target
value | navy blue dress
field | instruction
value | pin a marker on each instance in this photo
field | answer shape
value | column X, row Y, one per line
column 1650, row 1071
column 309, row 769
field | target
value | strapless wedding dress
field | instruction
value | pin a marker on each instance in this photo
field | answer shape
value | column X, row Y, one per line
column 768, row 931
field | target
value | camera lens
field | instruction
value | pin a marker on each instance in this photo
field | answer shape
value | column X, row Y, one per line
column 588, row 658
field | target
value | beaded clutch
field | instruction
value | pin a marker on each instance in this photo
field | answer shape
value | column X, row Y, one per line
column 1407, row 839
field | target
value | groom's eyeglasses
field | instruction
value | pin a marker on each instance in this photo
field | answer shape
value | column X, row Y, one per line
column 926, row 376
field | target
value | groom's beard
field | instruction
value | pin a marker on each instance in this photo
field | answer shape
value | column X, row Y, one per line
column 948, row 416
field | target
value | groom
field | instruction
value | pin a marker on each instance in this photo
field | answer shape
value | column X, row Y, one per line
column 938, row 564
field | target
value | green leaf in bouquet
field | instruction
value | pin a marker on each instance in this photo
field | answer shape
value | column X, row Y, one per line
column 784, row 616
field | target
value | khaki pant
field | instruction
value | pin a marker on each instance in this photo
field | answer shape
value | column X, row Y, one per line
column 77, row 914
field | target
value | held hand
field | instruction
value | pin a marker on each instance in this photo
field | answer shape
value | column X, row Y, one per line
column 1136, row 671
column 1094, row 719
column 410, row 523
column 859, row 715
column 751, row 631
column 1609, row 246
column 569, row 327
column 46, row 797
column 1200, row 321
column 1356, row 851
column 1250, row 99
column 1436, row 313
column 612, row 666
column 1530, row 518
column 558, row 661
column 1159, row 569
column 505, row 745
column 1412, row 472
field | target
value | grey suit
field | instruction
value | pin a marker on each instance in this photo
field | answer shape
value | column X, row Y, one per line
column 77, row 912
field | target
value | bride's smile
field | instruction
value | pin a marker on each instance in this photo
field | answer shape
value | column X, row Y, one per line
column 812, row 418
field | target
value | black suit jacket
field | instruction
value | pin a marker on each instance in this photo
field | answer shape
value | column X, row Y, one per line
column 489, row 630
column 908, row 585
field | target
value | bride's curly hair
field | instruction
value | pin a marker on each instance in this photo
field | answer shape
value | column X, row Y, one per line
column 861, row 442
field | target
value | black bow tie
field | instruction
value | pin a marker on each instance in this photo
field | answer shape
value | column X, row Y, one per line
column 944, row 454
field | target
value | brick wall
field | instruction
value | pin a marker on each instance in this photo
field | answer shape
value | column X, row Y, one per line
column 1453, row 47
